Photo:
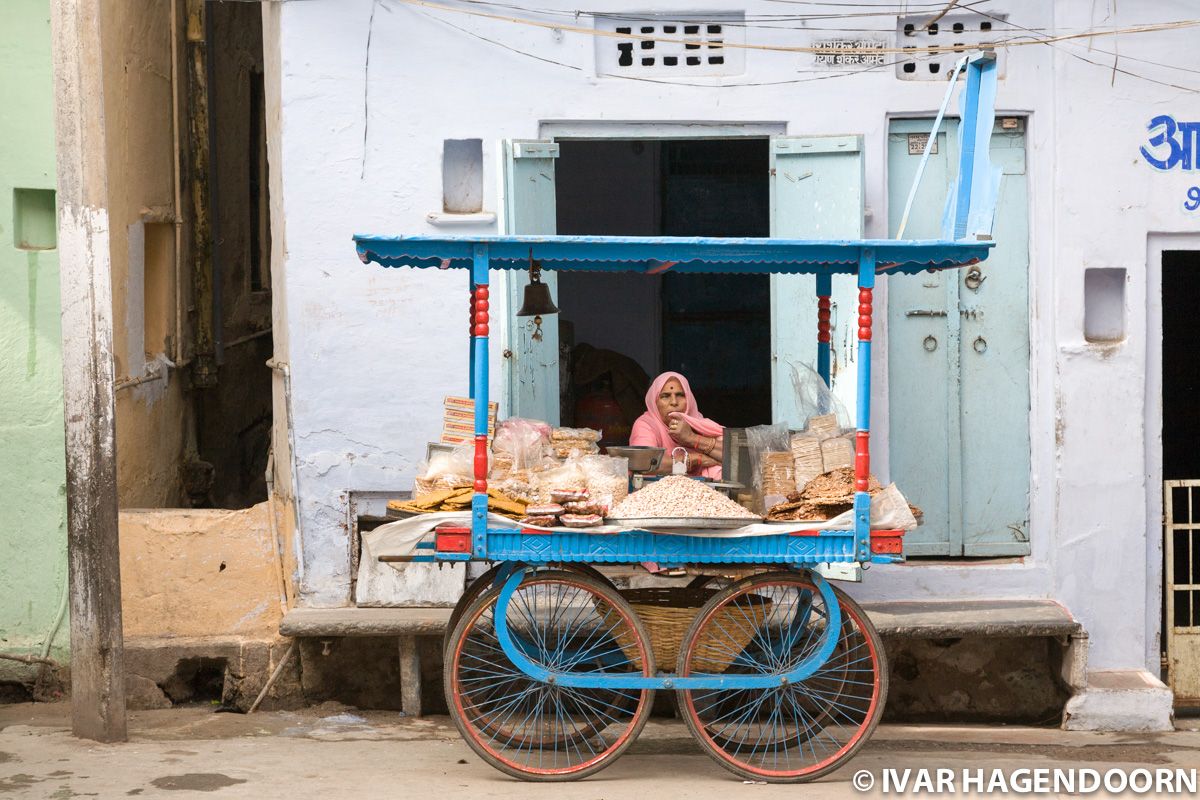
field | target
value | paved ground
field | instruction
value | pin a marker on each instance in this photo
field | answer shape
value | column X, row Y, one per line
column 334, row 752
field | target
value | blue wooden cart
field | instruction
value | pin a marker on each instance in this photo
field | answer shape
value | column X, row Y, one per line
column 549, row 672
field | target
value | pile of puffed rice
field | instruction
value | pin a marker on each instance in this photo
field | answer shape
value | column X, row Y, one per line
column 678, row 496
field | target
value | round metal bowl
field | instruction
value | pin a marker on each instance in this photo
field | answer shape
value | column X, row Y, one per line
column 641, row 459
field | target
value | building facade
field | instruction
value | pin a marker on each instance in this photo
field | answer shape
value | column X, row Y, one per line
column 1022, row 404
column 33, row 509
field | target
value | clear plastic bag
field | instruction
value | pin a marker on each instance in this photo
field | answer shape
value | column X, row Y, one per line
column 575, row 434
column 452, row 470
column 889, row 512
column 772, row 463
column 569, row 442
column 522, row 441
column 567, row 477
column 814, row 398
column 607, row 478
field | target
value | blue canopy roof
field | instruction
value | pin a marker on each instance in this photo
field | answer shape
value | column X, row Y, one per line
column 658, row 254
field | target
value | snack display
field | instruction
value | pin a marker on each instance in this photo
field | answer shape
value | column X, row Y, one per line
column 458, row 500
column 778, row 473
column 580, row 520
column 823, row 497
column 607, row 477
column 679, row 496
column 443, row 471
column 575, row 434
column 567, row 442
column 836, row 453
column 585, row 507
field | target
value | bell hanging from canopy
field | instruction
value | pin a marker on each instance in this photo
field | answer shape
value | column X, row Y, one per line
column 537, row 294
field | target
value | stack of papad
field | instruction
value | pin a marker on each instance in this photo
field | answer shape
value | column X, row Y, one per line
column 459, row 500
column 823, row 497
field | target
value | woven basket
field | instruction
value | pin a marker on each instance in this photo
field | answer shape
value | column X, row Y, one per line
column 668, row 612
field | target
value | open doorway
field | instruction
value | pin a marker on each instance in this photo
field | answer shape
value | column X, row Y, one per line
column 1181, row 476
column 618, row 331
column 1180, row 367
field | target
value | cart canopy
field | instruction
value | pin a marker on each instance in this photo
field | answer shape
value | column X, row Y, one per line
column 652, row 255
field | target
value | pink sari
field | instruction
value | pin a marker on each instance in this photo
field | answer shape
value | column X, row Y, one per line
column 649, row 430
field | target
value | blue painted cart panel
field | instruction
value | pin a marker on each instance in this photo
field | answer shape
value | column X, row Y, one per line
column 506, row 544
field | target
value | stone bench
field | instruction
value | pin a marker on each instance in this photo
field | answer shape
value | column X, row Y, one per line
column 406, row 624
column 894, row 620
column 1010, row 618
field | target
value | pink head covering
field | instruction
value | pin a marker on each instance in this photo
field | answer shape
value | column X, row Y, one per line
column 650, row 430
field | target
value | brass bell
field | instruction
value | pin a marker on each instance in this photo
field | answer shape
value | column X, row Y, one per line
column 537, row 294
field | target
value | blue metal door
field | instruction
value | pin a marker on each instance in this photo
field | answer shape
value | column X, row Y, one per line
column 531, row 355
column 958, row 359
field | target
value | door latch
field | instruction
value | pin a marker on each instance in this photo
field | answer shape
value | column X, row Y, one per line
column 924, row 312
column 974, row 279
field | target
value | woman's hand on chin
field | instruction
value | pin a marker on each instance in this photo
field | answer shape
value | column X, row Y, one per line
column 681, row 431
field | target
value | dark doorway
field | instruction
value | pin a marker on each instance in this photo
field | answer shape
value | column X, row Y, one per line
column 622, row 330
column 1181, row 457
column 1180, row 366
column 234, row 414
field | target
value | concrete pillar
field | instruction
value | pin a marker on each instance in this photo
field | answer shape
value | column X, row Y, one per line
column 97, row 655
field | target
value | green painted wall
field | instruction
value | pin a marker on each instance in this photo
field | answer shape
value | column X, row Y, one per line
column 33, row 566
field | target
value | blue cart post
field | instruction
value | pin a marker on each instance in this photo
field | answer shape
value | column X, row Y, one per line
column 781, row 677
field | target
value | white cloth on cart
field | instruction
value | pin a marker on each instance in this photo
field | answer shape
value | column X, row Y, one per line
column 889, row 511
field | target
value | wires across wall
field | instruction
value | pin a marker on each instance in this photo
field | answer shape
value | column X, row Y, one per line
column 1038, row 38
column 780, row 48
column 723, row 83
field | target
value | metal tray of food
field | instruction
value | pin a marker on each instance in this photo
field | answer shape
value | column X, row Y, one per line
column 682, row 522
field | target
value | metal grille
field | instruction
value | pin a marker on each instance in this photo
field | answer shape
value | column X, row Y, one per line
column 1181, row 532
column 681, row 46
column 950, row 37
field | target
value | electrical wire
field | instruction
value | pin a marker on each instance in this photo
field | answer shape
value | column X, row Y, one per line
column 1175, row 25
column 1068, row 52
column 748, row 21
column 682, row 83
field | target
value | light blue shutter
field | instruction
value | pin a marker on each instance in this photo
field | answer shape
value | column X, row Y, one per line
column 958, row 361
column 816, row 193
column 530, row 209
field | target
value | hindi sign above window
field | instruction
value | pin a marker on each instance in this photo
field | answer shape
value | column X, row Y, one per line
column 849, row 53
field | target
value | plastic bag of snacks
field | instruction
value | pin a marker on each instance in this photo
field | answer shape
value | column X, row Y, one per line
column 566, row 442
column 814, row 398
column 564, row 481
column 773, row 464
column 575, row 434
column 452, row 470
column 607, row 478
column 522, row 442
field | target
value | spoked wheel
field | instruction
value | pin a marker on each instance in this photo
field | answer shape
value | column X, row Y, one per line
column 484, row 582
column 767, row 625
column 566, row 622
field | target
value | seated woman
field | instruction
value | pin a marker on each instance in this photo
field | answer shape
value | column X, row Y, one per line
column 672, row 420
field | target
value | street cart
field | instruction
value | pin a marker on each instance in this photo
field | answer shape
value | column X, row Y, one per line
column 549, row 671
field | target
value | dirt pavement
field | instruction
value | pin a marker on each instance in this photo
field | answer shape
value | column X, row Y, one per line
column 332, row 751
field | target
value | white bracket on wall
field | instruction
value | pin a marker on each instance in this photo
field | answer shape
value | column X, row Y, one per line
column 444, row 219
